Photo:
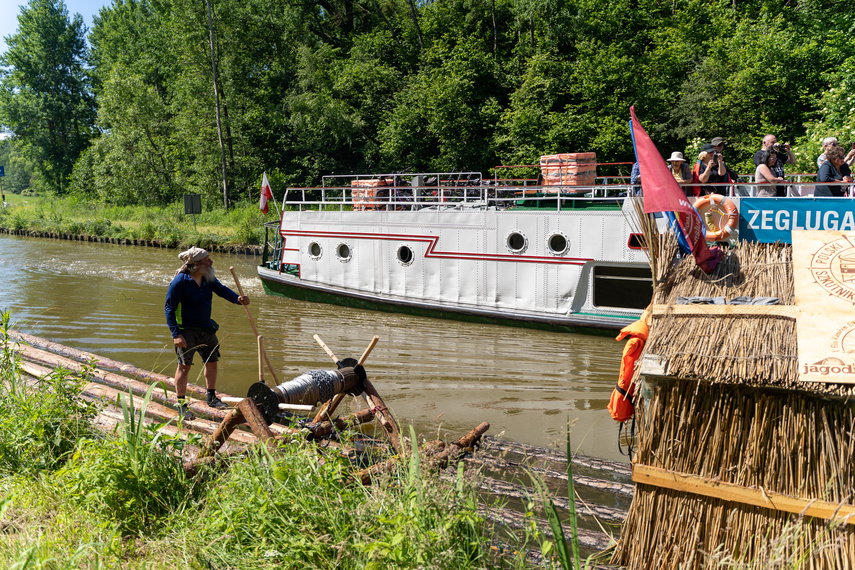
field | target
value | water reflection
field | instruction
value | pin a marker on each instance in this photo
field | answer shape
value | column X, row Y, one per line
column 436, row 374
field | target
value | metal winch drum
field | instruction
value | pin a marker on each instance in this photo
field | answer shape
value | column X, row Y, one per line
column 308, row 388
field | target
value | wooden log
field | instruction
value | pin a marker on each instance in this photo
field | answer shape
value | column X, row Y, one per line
column 221, row 434
column 367, row 475
column 154, row 410
column 620, row 469
column 384, row 416
column 323, row 429
column 295, row 407
column 104, row 363
column 119, row 382
column 499, row 464
column 191, row 468
column 453, row 451
column 255, row 420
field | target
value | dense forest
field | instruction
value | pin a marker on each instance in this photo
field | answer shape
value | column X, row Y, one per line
column 163, row 97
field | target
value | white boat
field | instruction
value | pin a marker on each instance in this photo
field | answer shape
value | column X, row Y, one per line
column 452, row 245
column 448, row 245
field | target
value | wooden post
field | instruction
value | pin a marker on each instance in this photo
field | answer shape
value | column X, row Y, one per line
column 260, row 356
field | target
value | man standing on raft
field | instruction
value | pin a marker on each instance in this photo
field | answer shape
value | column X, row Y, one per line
column 188, row 314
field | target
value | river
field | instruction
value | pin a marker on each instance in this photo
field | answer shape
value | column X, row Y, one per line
column 443, row 377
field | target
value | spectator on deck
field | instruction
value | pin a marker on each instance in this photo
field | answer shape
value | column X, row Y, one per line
column 830, row 172
column 635, row 179
column 680, row 170
column 829, row 142
column 763, row 175
column 784, row 152
column 712, row 171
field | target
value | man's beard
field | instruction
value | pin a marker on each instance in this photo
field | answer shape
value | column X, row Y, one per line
column 209, row 275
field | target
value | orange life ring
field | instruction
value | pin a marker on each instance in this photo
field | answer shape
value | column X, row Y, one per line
column 716, row 203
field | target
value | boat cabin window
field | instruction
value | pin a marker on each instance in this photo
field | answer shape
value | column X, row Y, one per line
column 343, row 252
column 517, row 242
column 622, row 287
column 558, row 244
column 315, row 250
column 405, row 255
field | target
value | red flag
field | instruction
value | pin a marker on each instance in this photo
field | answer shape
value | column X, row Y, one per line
column 663, row 194
column 266, row 194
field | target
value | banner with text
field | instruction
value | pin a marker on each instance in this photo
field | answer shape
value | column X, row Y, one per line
column 768, row 220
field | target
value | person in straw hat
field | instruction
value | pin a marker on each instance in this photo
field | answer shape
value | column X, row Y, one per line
column 680, row 169
column 188, row 314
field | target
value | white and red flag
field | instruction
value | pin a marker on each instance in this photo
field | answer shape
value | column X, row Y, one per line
column 266, row 194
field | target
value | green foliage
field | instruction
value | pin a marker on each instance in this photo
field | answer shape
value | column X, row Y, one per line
column 134, row 479
column 19, row 172
column 352, row 86
column 273, row 509
column 40, row 420
column 44, row 97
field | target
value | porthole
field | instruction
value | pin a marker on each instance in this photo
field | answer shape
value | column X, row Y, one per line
column 405, row 255
column 343, row 252
column 315, row 250
column 557, row 244
column 516, row 242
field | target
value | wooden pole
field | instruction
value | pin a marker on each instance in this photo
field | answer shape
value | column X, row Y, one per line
column 326, row 348
column 260, row 355
column 252, row 324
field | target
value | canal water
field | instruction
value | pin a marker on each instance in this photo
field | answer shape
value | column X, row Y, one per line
column 443, row 377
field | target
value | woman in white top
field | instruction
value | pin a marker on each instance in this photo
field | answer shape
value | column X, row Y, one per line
column 763, row 175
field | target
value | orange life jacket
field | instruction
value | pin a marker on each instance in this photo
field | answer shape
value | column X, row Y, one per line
column 621, row 405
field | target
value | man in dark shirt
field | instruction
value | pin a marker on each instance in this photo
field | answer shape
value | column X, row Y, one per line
column 188, row 314
column 784, row 152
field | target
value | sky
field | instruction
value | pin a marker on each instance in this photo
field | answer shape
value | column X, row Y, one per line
column 9, row 10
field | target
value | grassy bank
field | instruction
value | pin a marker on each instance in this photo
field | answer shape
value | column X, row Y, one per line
column 74, row 497
column 240, row 226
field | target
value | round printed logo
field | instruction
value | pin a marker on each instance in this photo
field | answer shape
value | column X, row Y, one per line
column 833, row 269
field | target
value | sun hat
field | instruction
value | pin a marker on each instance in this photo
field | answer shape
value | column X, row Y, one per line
column 676, row 155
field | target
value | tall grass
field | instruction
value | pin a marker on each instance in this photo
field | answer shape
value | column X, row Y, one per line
column 241, row 225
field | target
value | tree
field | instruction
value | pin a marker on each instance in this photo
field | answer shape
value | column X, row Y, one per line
column 44, row 93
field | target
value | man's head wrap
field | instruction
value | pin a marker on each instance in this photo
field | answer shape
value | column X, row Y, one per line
column 191, row 256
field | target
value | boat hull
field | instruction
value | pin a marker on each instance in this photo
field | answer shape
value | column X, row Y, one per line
column 291, row 287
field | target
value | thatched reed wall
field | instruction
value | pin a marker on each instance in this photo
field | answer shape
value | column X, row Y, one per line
column 722, row 403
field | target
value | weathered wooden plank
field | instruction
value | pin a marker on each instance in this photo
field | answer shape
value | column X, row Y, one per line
column 757, row 497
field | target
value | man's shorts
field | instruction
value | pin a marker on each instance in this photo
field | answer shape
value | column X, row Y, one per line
column 201, row 341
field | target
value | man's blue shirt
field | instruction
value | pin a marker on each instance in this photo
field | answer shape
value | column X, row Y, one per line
column 194, row 300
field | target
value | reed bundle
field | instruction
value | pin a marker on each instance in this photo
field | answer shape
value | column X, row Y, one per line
column 752, row 350
column 729, row 409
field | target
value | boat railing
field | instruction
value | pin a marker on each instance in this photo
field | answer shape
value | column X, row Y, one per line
column 461, row 190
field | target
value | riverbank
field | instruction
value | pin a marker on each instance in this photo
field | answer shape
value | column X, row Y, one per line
column 73, row 493
column 237, row 231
